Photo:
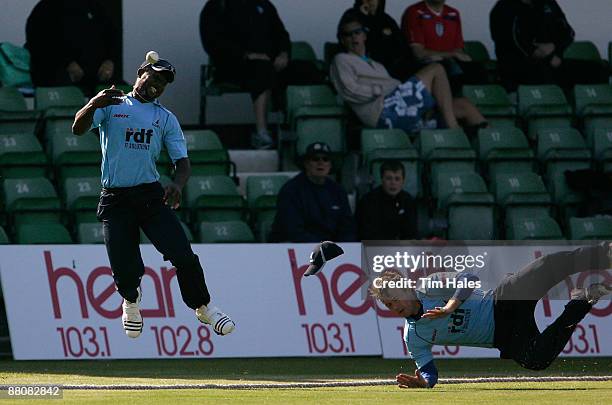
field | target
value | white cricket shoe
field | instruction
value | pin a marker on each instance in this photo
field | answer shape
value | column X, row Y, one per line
column 592, row 293
column 221, row 323
column 132, row 320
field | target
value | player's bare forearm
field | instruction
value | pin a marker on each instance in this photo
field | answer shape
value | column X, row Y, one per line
column 83, row 119
column 182, row 172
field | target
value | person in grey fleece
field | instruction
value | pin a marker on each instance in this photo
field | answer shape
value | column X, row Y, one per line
column 381, row 101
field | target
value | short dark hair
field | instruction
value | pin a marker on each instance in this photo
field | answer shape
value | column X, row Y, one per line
column 349, row 16
column 392, row 166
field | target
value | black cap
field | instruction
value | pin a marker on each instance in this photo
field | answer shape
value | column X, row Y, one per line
column 162, row 65
column 317, row 148
column 322, row 253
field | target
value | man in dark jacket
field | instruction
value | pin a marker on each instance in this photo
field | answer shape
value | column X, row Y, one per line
column 312, row 207
column 249, row 45
column 71, row 42
column 530, row 38
column 386, row 43
column 388, row 212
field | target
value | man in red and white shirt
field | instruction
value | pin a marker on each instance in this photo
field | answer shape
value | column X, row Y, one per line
column 434, row 33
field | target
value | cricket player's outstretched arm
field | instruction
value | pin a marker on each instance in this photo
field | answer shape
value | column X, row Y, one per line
column 460, row 295
column 424, row 377
column 84, row 117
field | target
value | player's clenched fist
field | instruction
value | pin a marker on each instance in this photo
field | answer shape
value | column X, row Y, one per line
column 411, row 381
column 172, row 196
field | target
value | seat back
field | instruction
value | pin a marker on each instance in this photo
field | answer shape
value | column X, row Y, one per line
column 226, row 232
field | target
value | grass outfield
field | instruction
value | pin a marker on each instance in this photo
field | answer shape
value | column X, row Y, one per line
column 251, row 371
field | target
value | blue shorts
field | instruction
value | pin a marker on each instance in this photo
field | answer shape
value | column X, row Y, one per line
column 406, row 106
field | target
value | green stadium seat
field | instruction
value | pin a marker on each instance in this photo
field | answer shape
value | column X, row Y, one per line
column 478, row 52
column 144, row 240
column 42, row 233
column 537, row 228
column 593, row 124
column 491, row 100
column 226, row 232
column 263, row 225
column 446, row 150
column 59, row 102
column 562, row 194
column 61, row 126
column 213, row 198
column 536, row 125
column 521, row 194
column 14, row 114
column 593, row 100
column 543, row 106
column 309, row 102
column 561, row 145
column 262, row 191
column 328, row 130
column 76, row 156
column 207, row 154
column 31, row 200
column 582, row 50
column 542, row 101
column 302, row 50
column 81, row 195
column 21, row 155
column 504, row 150
column 599, row 227
column 4, row 239
column 601, row 144
column 90, row 233
column 471, row 222
column 470, row 207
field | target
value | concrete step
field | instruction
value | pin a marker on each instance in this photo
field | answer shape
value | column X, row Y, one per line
column 254, row 161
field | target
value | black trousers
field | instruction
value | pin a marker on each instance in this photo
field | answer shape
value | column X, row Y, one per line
column 516, row 333
column 123, row 211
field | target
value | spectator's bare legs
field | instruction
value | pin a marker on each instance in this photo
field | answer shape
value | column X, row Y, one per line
column 261, row 111
column 467, row 112
column 436, row 82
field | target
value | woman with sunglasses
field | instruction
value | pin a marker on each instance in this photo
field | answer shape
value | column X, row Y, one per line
column 381, row 101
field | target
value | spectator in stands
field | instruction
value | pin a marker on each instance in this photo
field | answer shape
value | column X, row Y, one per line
column 383, row 102
column 312, row 207
column 530, row 38
column 388, row 212
column 249, row 45
column 434, row 33
column 72, row 42
column 386, row 43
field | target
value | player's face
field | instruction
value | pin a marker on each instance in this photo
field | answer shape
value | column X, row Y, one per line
column 403, row 308
column 317, row 166
column 392, row 182
column 151, row 84
column 354, row 38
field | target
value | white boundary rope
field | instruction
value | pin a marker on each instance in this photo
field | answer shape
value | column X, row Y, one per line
column 329, row 384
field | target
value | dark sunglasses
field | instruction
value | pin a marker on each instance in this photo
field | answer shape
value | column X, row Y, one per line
column 357, row 31
column 319, row 159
